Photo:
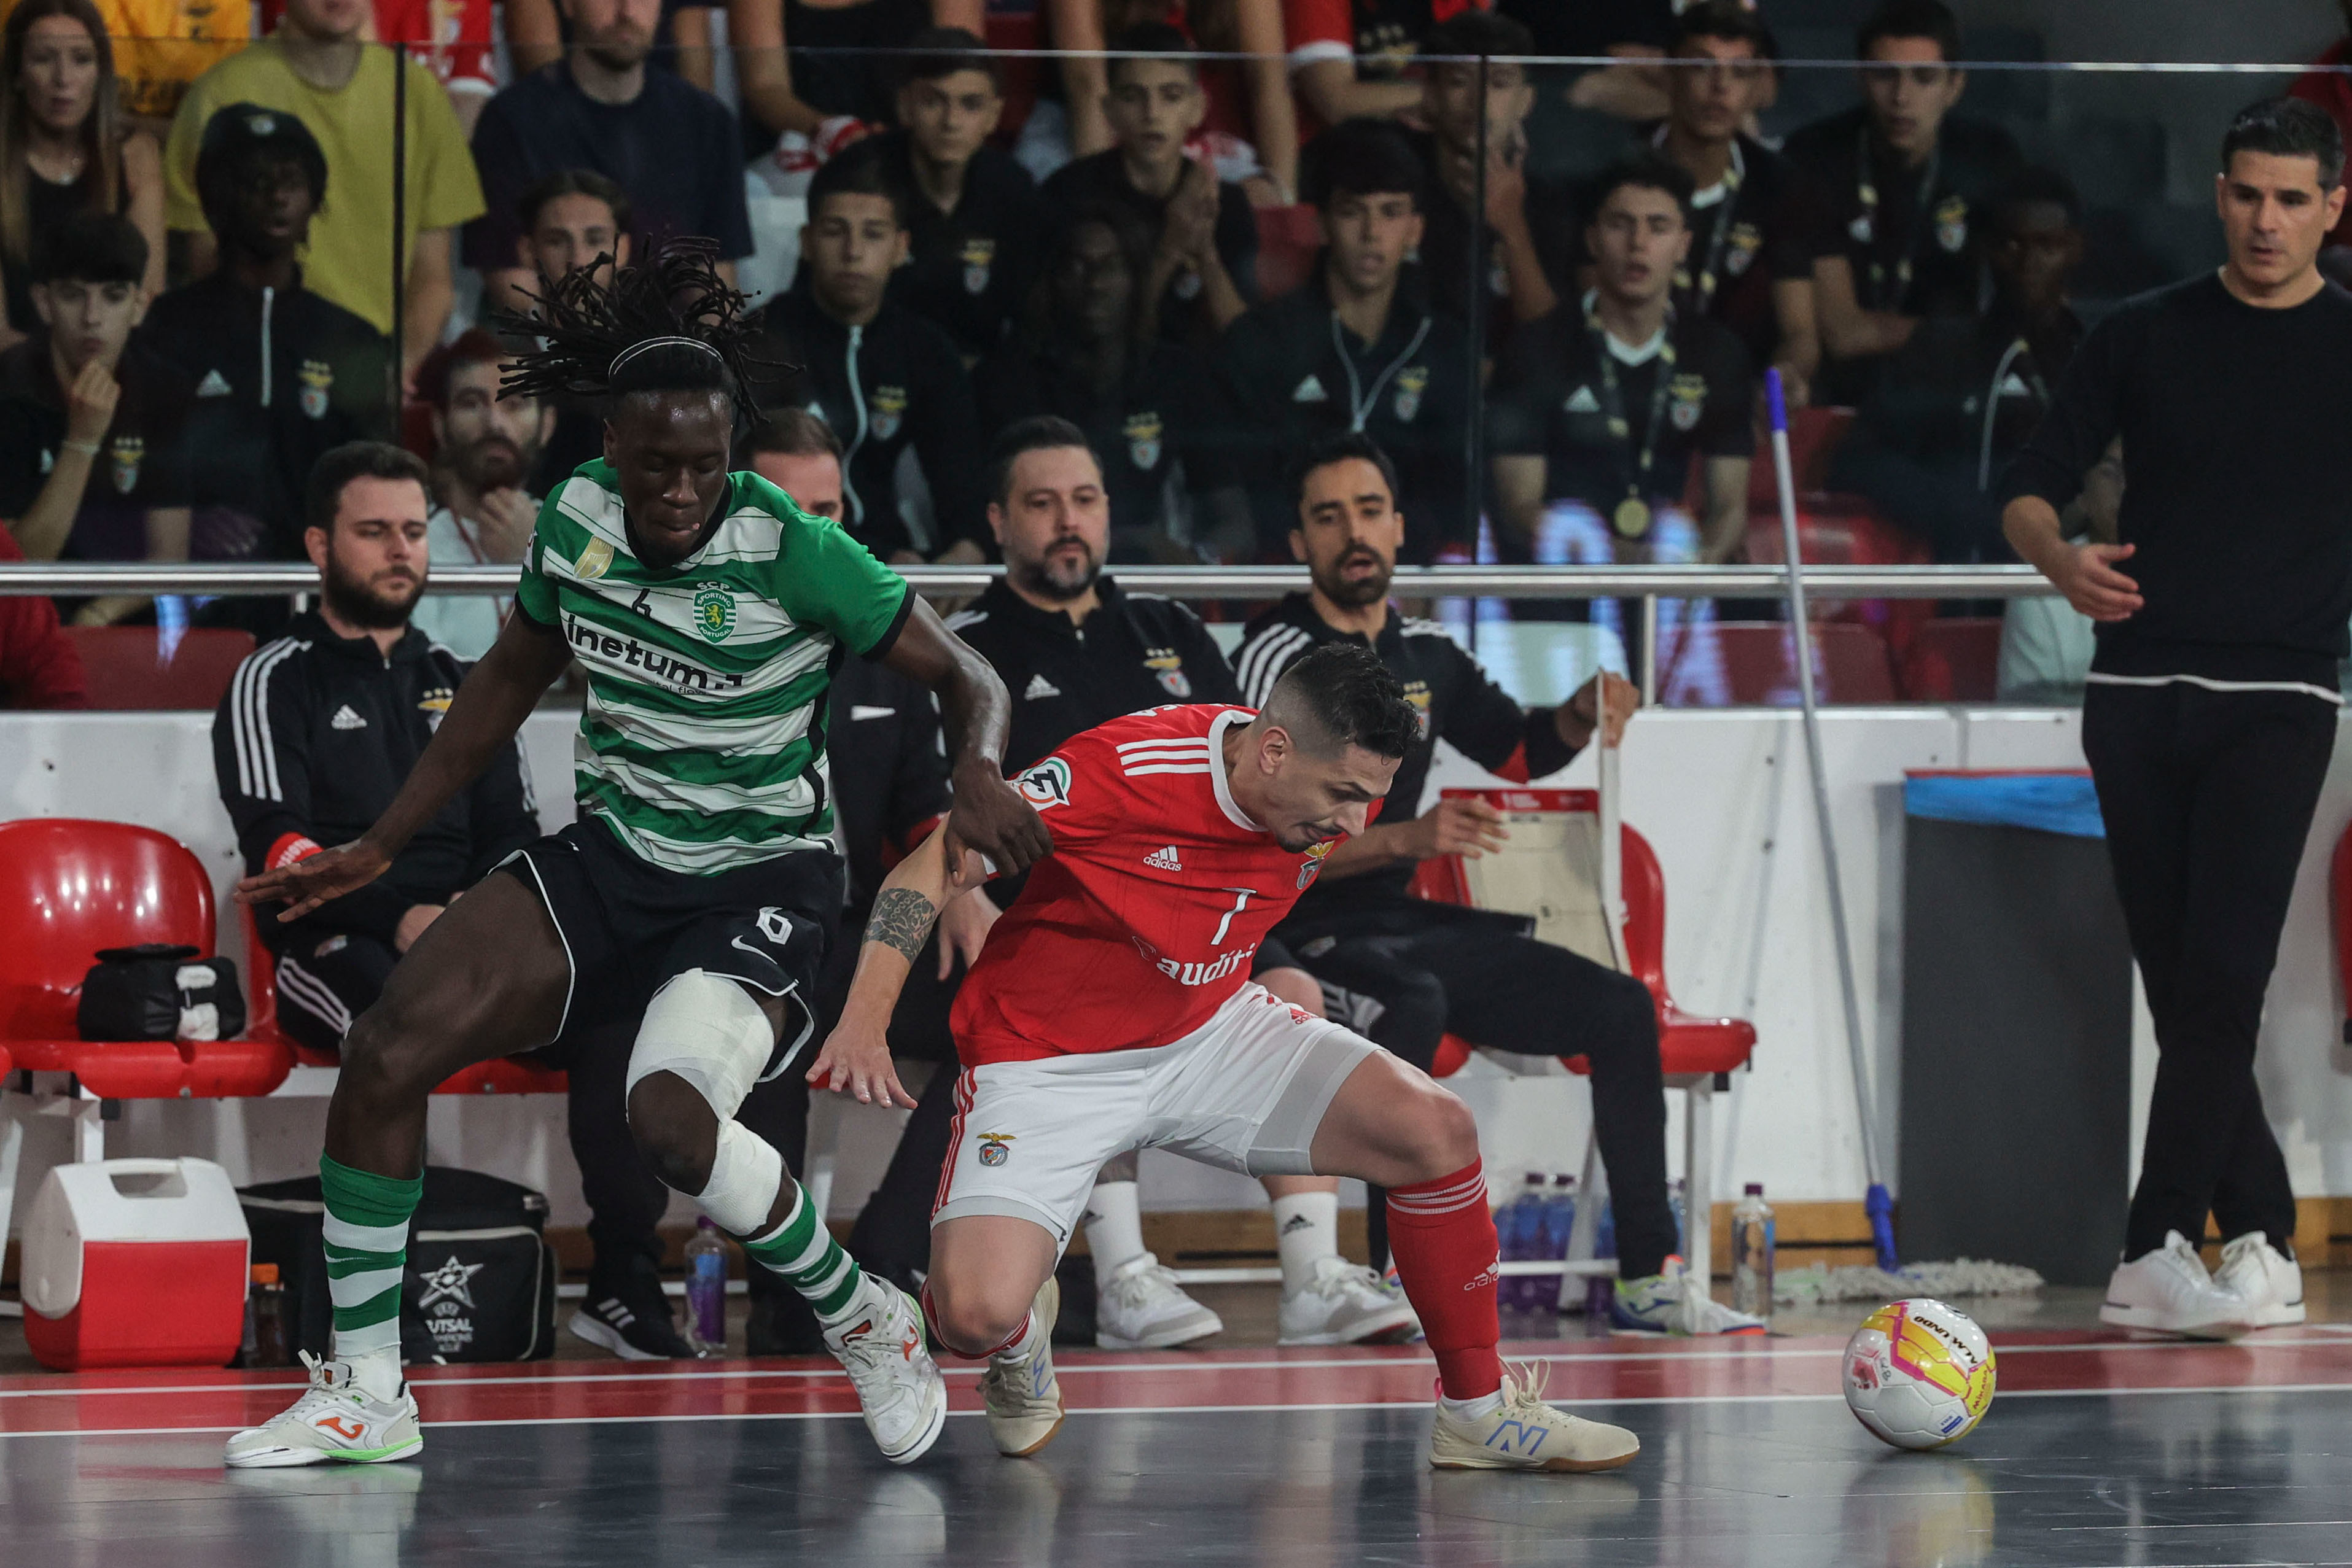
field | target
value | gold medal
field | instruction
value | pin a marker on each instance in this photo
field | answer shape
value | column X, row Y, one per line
column 1631, row 517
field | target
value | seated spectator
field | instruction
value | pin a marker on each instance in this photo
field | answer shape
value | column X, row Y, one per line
column 1152, row 406
column 160, row 46
column 1521, row 247
column 571, row 219
column 2046, row 644
column 813, row 78
column 1205, row 235
column 1949, row 408
column 1758, row 227
column 93, row 431
column 281, row 375
column 317, row 68
column 1356, row 348
column 536, row 35
column 453, row 37
column 1251, row 130
column 886, row 379
column 1599, row 409
column 485, row 449
column 1403, row 971
column 1902, row 186
column 40, row 666
column 71, row 152
column 664, row 142
column 312, row 740
column 974, row 220
column 1634, row 31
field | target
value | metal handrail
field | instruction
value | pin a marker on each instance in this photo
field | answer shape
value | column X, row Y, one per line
column 212, row 577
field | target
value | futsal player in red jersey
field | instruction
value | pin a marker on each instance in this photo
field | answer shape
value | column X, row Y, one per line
column 1112, row 1010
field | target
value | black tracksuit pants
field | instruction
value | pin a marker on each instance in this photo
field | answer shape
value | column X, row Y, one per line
column 1512, row 993
column 2208, row 798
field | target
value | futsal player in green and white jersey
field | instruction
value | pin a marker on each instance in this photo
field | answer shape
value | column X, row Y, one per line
column 697, row 887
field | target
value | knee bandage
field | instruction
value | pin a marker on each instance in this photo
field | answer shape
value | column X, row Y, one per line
column 745, row 1176
column 708, row 1031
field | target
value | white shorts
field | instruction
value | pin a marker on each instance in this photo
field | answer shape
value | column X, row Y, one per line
column 1245, row 1092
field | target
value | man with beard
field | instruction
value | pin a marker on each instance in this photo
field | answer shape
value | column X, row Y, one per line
column 667, row 143
column 1404, row 971
column 318, row 732
column 485, row 447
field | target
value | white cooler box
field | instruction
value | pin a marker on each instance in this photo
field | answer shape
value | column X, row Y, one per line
column 134, row 1263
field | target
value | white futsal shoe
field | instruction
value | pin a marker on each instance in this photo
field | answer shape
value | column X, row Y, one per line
column 1674, row 1301
column 1526, row 1434
column 1344, row 1304
column 1024, row 1398
column 335, row 1421
column 1142, row 1307
column 2169, row 1290
column 899, row 1390
column 2266, row 1280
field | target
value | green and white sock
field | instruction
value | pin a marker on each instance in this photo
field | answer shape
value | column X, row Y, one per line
column 366, row 1236
column 804, row 1253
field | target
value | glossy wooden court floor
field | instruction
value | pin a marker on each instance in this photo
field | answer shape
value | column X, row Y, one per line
column 2098, row 1449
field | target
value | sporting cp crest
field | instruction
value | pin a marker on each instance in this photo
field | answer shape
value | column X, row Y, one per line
column 978, row 253
column 1687, row 394
column 1143, row 431
column 124, row 454
column 1412, row 381
column 1169, row 665
column 714, row 613
column 317, row 381
column 1952, row 223
column 885, row 410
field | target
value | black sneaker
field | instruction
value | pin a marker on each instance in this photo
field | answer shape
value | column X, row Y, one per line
column 630, row 1317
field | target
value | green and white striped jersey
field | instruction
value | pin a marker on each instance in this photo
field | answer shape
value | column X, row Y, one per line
column 703, row 743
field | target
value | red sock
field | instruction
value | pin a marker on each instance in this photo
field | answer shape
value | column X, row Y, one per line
column 1443, row 1238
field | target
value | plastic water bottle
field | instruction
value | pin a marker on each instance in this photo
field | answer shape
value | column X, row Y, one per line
column 264, row 1342
column 1604, row 1236
column 1558, row 1220
column 1519, row 1232
column 1752, row 1254
column 706, row 1289
column 1682, row 1230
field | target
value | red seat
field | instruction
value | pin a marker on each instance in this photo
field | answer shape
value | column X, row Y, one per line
column 1953, row 659
column 1287, row 240
column 1022, row 74
column 1689, row 1045
column 1813, row 437
column 1759, row 666
column 503, row 1076
column 70, row 887
column 125, row 671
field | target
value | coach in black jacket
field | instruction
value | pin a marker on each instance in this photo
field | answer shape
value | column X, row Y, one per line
column 317, row 733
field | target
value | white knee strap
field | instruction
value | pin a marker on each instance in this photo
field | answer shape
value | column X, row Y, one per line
column 708, row 1031
column 745, row 1176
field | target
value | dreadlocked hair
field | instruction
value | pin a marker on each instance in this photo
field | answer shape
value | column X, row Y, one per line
column 672, row 324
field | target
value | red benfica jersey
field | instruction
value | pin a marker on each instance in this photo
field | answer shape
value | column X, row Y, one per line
column 1143, row 920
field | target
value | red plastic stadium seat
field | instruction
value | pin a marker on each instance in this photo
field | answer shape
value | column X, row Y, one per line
column 1953, row 660
column 70, row 887
column 1014, row 30
column 124, row 672
column 1757, row 668
column 1689, row 1045
column 416, row 429
column 1813, row 437
column 1287, row 239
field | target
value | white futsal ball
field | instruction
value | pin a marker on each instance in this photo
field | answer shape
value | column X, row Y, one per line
column 1919, row 1375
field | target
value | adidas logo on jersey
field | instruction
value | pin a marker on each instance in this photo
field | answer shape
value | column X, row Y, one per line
column 346, row 719
column 215, row 384
column 1039, row 686
column 1581, row 401
column 1164, row 859
column 1310, row 391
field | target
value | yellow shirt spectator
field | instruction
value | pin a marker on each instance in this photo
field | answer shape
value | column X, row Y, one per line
column 162, row 45
column 349, row 259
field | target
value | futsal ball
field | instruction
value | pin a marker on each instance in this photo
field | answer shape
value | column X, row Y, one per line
column 1919, row 1375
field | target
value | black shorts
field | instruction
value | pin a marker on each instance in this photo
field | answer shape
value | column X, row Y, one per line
column 628, row 928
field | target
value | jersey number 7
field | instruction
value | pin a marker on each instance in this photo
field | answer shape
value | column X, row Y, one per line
column 1242, row 895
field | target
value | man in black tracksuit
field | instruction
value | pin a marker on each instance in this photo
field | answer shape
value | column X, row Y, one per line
column 882, row 377
column 317, row 733
column 2211, row 713
column 1402, row 970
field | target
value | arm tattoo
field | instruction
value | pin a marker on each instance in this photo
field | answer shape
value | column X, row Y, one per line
column 902, row 919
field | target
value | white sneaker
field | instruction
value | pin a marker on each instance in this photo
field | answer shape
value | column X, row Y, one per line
column 1344, row 1304
column 899, row 1390
column 2267, row 1280
column 1141, row 1307
column 335, row 1419
column 1676, row 1302
column 1024, row 1400
column 1527, row 1434
column 2169, row 1290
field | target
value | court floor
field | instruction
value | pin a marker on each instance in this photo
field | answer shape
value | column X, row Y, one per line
column 2098, row 1449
